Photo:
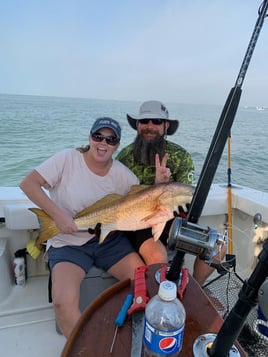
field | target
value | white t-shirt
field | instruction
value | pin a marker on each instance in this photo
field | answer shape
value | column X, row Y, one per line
column 74, row 187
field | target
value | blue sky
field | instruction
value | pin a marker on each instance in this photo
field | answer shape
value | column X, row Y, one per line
column 184, row 51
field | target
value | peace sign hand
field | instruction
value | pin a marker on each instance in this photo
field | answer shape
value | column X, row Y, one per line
column 162, row 173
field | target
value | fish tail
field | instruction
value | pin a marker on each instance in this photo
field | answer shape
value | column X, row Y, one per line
column 48, row 228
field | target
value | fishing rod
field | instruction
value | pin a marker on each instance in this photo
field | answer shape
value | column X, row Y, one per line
column 223, row 127
column 248, row 295
column 247, row 298
column 229, row 199
column 218, row 142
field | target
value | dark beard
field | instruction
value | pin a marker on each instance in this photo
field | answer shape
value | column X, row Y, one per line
column 144, row 151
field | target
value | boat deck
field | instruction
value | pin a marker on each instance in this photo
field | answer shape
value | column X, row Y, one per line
column 29, row 328
column 27, row 323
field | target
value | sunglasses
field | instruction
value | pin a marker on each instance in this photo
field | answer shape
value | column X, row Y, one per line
column 110, row 140
column 154, row 121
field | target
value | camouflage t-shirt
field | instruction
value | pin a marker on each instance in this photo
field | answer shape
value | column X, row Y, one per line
column 179, row 162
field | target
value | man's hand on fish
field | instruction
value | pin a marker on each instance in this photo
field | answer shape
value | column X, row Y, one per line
column 182, row 211
column 162, row 173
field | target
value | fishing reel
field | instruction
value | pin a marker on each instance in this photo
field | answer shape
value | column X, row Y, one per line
column 203, row 241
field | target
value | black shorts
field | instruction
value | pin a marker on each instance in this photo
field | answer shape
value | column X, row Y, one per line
column 137, row 238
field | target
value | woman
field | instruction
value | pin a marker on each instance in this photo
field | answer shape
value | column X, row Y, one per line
column 75, row 180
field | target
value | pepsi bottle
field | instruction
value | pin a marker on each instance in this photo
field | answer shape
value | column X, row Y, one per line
column 164, row 323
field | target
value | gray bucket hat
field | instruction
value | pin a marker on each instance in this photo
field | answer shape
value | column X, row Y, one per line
column 153, row 109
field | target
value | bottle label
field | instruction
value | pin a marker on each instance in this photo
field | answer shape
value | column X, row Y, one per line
column 19, row 271
column 163, row 342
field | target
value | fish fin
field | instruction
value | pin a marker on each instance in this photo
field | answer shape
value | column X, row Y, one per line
column 137, row 188
column 161, row 213
column 147, row 218
column 104, row 233
column 157, row 230
column 107, row 200
column 48, row 228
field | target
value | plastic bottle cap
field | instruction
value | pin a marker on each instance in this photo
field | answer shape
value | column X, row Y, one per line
column 167, row 290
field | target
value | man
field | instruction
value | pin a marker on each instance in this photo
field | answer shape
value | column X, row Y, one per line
column 153, row 125
column 154, row 159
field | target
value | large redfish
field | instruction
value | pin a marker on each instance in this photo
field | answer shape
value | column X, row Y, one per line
column 143, row 207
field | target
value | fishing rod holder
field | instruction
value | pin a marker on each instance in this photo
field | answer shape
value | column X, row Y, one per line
column 203, row 343
column 203, row 241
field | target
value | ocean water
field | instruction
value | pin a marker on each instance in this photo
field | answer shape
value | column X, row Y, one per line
column 35, row 127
